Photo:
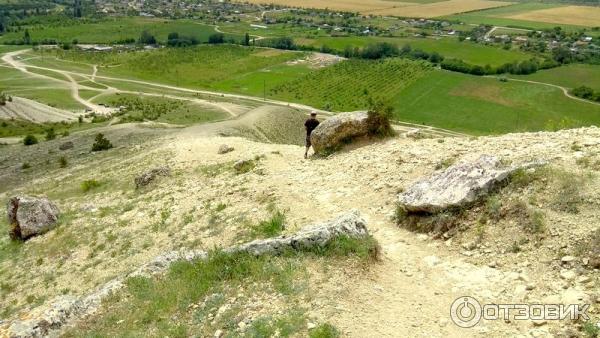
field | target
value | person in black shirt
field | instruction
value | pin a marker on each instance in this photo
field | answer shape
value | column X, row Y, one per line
column 310, row 125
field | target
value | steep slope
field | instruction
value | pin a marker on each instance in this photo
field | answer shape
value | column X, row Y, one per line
column 114, row 228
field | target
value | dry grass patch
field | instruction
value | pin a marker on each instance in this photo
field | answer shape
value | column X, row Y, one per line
column 383, row 7
column 569, row 15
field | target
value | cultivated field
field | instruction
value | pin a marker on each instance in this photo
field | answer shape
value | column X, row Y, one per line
column 443, row 8
column 570, row 15
column 116, row 29
column 422, row 9
column 511, row 16
column 349, row 85
column 473, row 53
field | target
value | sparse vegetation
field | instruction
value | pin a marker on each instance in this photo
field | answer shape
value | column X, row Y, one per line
column 62, row 162
column 88, row 185
column 50, row 134
column 324, row 331
column 271, row 227
column 188, row 283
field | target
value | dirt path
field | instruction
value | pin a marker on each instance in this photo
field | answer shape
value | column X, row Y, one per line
column 410, row 292
column 9, row 58
column 491, row 31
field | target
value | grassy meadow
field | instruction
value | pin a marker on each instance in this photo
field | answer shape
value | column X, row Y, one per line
column 488, row 106
column 569, row 76
column 204, row 66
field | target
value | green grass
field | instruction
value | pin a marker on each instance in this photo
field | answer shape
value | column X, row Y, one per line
column 261, row 81
column 324, row 331
column 470, row 52
column 194, row 67
column 271, row 227
column 569, row 76
column 487, row 106
column 110, row 30
column 148, row 305
column 349, row 85
column 88, row 185
column 496, row 17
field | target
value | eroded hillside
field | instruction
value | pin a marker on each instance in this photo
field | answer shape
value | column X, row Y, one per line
column 534, row 240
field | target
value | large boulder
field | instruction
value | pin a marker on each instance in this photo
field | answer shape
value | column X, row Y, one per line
column 335, row 131
column 29, row 216
column 151, row 175
column 456, row 186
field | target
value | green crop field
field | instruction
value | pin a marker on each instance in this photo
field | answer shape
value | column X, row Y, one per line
column 206, row 66
column 116, row 29
column 455, row 101
column 449, row 47
column 488, row 106
column 349, row 85
column 497, row 17
column 569, row 76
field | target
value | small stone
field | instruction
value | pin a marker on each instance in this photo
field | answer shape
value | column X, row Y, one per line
column 539, row 322
column 567, row 259
column 529, row 287
column 584, row 279
column 224, row 149
column 568, row 274
column 67, row 145
column 218, row 334
column 311, row 325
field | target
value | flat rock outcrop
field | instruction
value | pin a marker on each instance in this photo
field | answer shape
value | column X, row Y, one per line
column 457, row 186
column 49, row 319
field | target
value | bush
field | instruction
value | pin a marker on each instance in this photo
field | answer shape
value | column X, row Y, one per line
column 101, row 143
column 88, row 185
column 62, row 162
column 30, row 140
column 50, row 134
column 216, row 38
column 584, row 92
column 378, row 120
column 324, row 331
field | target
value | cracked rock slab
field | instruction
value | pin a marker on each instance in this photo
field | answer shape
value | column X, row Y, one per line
column 457, row 186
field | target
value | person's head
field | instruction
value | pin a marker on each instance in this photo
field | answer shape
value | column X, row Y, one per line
column 313, row 114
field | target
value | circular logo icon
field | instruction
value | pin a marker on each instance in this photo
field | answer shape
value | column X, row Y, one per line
column 465, row 312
